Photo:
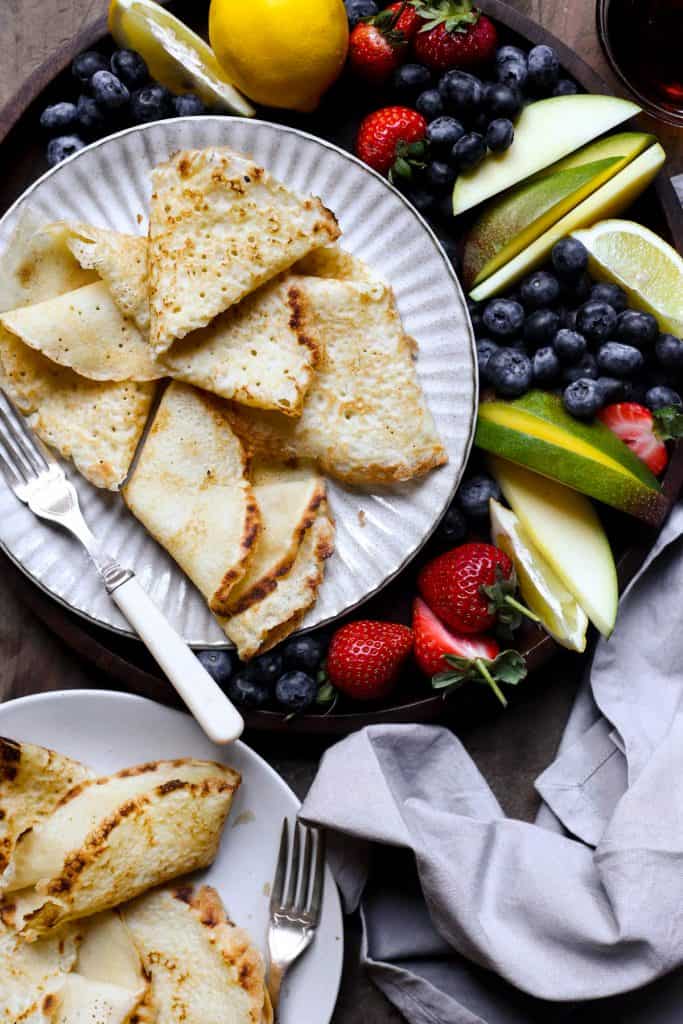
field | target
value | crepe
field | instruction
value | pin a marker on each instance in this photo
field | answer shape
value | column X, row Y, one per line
column 96, row 424
column 261, row 352
column 203, row 969
column 267, row 622
column 190, row 489
column 37, row 264
column 85, row 331
column 333, row 261
column 111, row 839
column 289, row 497
column 365, row 419
column 220, row 226
column 32, row 782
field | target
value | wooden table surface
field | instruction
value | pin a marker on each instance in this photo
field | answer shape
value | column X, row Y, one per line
column 513, row 750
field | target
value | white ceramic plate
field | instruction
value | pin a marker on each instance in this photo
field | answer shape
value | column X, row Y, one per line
column 109, row 731
column 107, row 184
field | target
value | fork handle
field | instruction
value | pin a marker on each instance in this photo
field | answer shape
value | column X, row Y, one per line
column 217, row 716
column 276, row 973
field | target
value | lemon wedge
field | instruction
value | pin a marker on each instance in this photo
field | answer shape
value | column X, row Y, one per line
column 539, row 586
column 646, row 266
column 175, row 55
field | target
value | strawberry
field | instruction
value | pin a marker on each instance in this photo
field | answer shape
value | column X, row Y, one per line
column 455, row 35
column 472, row 587
column 453, row 660
column 392, row 140
column 635, row 426
column 365, row 658
column 377, row 45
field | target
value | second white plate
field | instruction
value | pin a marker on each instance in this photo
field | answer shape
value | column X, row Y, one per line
column 107, row 184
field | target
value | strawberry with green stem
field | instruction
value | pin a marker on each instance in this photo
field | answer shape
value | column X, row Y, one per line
column 392, row 141
column 455, row 34
column 378, row 44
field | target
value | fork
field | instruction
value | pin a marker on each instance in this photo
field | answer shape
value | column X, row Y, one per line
column 38, row 480
column 294, row 915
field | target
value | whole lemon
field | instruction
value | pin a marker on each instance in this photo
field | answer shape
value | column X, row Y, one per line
column 282, row 53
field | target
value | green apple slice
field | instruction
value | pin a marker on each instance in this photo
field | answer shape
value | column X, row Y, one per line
column 540, row 587
column 565, row 528
column 607, row 201
column 545, row 132
column 513, row 221
column 535, row 431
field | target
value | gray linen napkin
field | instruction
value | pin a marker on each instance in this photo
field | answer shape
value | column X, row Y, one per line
column 473, row 917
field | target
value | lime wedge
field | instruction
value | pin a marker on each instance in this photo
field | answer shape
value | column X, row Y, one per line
column 646, row 266
column 539, row 586
column 175, row 55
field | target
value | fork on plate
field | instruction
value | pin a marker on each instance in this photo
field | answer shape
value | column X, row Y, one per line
column 295, row 901
column 37, row 479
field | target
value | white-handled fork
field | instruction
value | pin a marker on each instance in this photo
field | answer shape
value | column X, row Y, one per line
column 38, row 480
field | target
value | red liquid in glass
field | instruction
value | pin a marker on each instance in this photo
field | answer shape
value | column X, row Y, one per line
column 646, row 40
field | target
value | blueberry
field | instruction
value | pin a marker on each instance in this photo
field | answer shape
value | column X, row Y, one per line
column 461, row 91
column 108, row 90
column 611, row 389
column 476, row 318
column 453, row 527
column 502, row 101
column 596, row 320
column 468, row 151
column 356, row 10
column 422, row 198
column 578, row 289
column 546, row 366
column 480, row 123
column 503, row 317
column 440, row 176
column 636, row 328
column 510, row 372
column 660, row 397
column 188, row 105
column 429, row 104
column 612, row 294
column 220, row 665
column 619, row 360
column 90, row 117
column 504, row 53
column 243, row 689
column 60, row 117
column 485, row 349
column 130, row 68
column 267, row 667
column 513, row 73
column 570, row 346
column 565, row 87
column 304, row 652
column 544, row 69
column 296, row 691
column 411, row 79
column 669, row 351
column 86, row 64
column 151, row 103
column 539, row 289
column 586, row 367
column 63, row 146
column 569, row 319
column 569, row 257
column 582, row 399
column 474, row 493
column 541, row 326
column 499, row 135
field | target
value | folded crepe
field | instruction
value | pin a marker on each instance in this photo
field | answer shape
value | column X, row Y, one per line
column 261, row 352
column 333, row 261
column 289, row 496
column 203, row 969
column 37, row 264
column 96, row 424
column 86, row 331
column 220, row 226
column 268, row 621
column 365, row 419
column 191, row 490
column 111, row 839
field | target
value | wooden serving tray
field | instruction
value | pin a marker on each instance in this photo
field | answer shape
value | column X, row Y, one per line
column 125, row 661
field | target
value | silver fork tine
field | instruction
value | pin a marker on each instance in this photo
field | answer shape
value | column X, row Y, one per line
column 20, row 432
column 21, row 462
column 305, row 876
column 281, row 869
column 318, row 877
column 7, row 465
column 290, row 898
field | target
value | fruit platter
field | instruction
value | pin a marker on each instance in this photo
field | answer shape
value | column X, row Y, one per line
column 545, row 199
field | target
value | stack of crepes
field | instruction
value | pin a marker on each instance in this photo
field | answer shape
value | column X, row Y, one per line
column 95, row 925
column 287, row 357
